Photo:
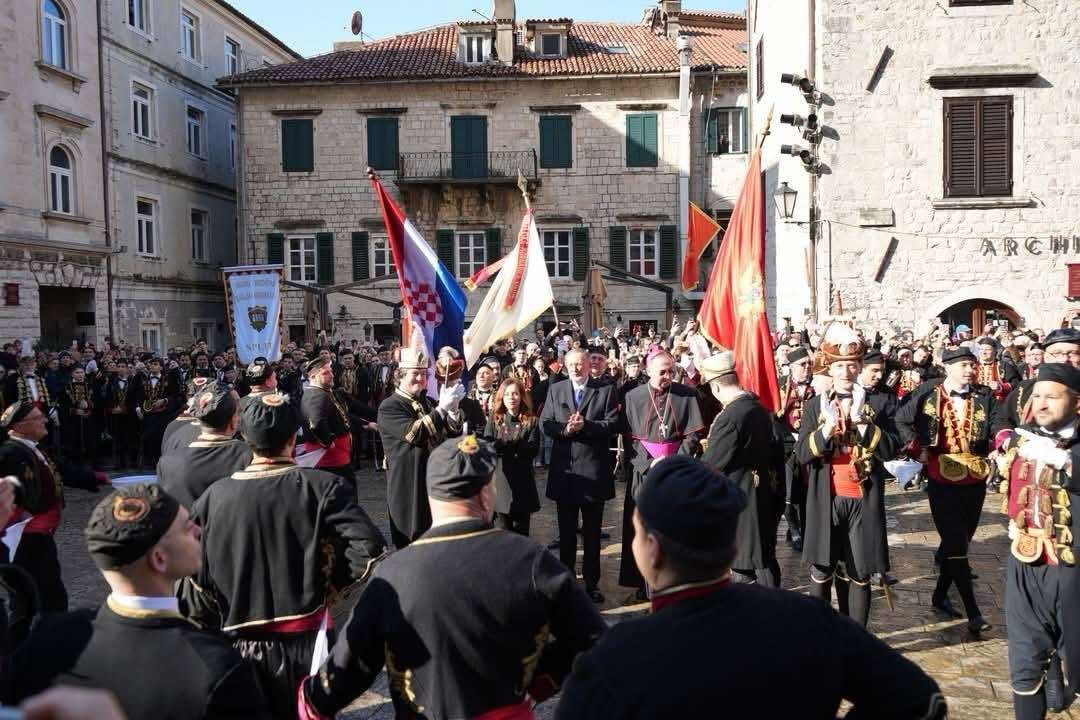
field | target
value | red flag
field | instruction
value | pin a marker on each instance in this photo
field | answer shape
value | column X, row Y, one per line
column 732, row 312
column 700, row 231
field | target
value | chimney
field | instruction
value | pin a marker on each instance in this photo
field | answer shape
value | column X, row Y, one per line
column 670, row 11
column 505, row 15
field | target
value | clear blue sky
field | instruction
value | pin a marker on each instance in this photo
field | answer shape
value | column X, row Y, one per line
column 311, row 28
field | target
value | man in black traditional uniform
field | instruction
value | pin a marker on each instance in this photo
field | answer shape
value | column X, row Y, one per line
column 948, row 422
column 41, row 494
column 882, row 399
column 411, row 426
column 216, row 453
column 185, row 427
column 795, row 393
column 326, row 421
column 1042, row 591
column 288, row 378
column 260, row 377
column 161, row 400
column 664, row 665
column 143, row 541
column 77, row 427
column 470, row 621
column 741, row 445
column 1060, row 346
column 664, row 419
column 842, row 442
column 121, row 419
column 278, row 540
column 476, row 406
column 581, row 416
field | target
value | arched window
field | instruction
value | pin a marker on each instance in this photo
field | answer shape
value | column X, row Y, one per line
column 53, row 34
column 61, row 189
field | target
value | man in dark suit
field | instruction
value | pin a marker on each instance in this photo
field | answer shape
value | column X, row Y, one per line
column 580, row 416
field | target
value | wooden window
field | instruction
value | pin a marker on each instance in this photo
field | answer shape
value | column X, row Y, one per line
column 146, row 225
column 669, row 252
column 556, row 144
column 298, row 145
column 642, row 253
column 138, row 15
column 641, row 140
column 382, row 259
column 361, row 265
column 382, row 143
column 444, row 249
column 142, row 100
column 725, row 131
column 471, row 253
column 551, row 44
column 617, row 246
column 275, row 248
column 302, row 256
column 557, row 254
column 581, row 252
column 468, row 146
column 232, row 56
column 200, row 235
column 54, row 44
column 61, row 177
column 11, row 293
column 760, row 67
column 978, row 146
column 196, row 132
column 325, row 243
column 189, row 35
column 473, row 50
column 151, row 338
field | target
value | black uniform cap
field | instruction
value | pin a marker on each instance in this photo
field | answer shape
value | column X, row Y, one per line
column 1063, row 373
column 259, row 371
column 459, row 468
column 489, row 360
column 126, row 524
column 797, row 354
column 688, row 502
column 951, row 355
column 1063, row 335
column 215, row 405
column 872, row 357
column 270, row 421
column 14, row 413
column 315, row 363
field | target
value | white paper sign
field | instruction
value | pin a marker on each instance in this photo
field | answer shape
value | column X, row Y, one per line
column 254, row 304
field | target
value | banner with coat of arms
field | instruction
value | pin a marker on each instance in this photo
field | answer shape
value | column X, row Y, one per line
column 253, row 299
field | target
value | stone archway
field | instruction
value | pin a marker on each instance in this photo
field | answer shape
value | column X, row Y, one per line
column 1026, row 312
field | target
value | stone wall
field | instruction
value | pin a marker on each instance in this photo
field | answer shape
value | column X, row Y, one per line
column 889, row 156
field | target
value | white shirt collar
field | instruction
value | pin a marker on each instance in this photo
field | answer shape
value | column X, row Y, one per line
column 949, row 387
column 138, row 602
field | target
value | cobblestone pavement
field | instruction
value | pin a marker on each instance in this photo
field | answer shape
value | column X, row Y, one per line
column 972, row 672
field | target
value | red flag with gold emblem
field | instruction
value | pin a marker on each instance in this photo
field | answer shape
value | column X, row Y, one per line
column 732, row 312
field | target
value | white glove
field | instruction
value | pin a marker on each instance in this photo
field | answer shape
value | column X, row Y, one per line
column 829, row 413
column 858, row 397
column 54, row 416
column 450, row 397
column 139, row 412
column 1045, row 452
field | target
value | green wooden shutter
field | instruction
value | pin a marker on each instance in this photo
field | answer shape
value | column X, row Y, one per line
column 669, row 252
column 556, row 145
column 298, row 145
column 382, row 143
column 361, row 265
column 275, row 248
column 444, row 248
column 641, row 140
column 712, row 144
column 581, row 252
column 494, row 245
column 617, row 246
column 745, row 131
column 324, row 260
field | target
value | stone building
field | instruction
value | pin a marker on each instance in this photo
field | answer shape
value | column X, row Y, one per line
column 947, row 127
column 171, row 148
column 613, row 130
column 53, row 253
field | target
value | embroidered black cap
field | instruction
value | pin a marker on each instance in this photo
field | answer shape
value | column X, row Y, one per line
column 259, row 371
column 128, row 523
column 269, row 422
column 1063, row 373
column 215, row 405
column 957, row 354
column 459, row 468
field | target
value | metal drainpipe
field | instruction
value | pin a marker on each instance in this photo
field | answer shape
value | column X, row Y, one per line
column 105, row 170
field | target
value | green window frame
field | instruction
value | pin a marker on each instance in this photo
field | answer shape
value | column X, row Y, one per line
column 641, row 140
column 556, row 141
column 382, row 143
column 297, row 145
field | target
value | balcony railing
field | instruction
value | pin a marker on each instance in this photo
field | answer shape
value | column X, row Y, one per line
column 498, row 166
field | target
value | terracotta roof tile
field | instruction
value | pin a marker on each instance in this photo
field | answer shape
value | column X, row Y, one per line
column 432, row 54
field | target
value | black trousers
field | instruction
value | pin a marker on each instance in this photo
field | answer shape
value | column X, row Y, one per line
column 37, row 555
column 956, row 510
column 281, row 663
column 592, row 515
column 518, row 523
column 1033, row 620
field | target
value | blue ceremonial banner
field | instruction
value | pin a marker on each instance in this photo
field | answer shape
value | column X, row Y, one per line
column 253, row 299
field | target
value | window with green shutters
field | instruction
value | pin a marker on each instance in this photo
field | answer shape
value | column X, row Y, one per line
column 444, row 249
column 382, row 143
column 617, row 246
column 556, row 143
column 361, row 266
column 725, row 131
column 641, row 140
column 275, row 248
column 669, row 252
column 494, row 244
column 324, row 243
column 298, row 145
column 581, row 252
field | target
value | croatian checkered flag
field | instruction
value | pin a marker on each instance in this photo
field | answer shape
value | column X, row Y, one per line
column 433, row 298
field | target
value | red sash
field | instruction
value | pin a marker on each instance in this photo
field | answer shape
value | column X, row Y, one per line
column 47, row 522
column 339, row 453
column 521, row 711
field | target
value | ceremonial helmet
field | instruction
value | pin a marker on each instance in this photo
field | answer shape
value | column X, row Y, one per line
column 411, row 359
column 840, row 342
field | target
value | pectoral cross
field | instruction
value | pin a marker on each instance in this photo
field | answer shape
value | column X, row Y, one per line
column 663, row 430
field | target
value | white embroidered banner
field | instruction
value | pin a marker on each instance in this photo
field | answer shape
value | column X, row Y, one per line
column 254, row 300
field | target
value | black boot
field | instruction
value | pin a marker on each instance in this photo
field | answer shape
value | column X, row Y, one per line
column 940, row 599
column 1054, row 687
column 859, row 601
column 961, row 573
column 1030, row 707
column 821, row 580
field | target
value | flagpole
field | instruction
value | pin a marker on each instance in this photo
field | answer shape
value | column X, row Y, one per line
column 765, row 131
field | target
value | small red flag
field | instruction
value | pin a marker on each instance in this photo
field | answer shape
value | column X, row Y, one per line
column 701, row 229
column 733, row 312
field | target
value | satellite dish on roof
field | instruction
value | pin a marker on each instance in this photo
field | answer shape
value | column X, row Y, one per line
column 357, row 22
